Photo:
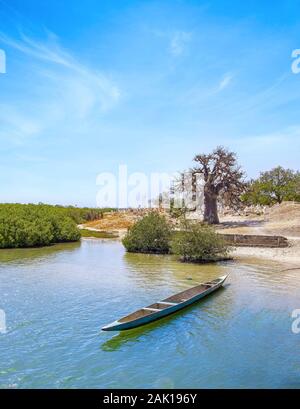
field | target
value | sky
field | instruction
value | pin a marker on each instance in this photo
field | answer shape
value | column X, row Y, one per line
column 91, row 85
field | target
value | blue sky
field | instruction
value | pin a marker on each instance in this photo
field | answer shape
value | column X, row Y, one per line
column 93, row 84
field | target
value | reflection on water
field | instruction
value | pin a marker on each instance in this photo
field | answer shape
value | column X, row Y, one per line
column 56, row 300
column 36, row 252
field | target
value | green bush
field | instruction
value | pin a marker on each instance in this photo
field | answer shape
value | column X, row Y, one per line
column 35, row 225
column 198, row 243
column 151, row 234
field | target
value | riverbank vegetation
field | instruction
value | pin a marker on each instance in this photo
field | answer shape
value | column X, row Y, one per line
column 151, row 234
column 198, row 243
column 193, row 243
column 98, row 234
column 41, row 225
column 81, row 214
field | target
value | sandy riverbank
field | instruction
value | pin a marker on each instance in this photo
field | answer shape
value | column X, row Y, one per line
column 281, row 219
column 289, row 255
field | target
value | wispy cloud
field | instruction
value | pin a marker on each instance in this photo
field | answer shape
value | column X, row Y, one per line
column 106, row 92
column 284, row 136
column 17, row 126
column 62, row 94
column 178, row 42
column 48, row 52
column 276, row 143
column 225, row 81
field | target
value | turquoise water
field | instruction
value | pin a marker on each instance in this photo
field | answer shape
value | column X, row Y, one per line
column 56, row 300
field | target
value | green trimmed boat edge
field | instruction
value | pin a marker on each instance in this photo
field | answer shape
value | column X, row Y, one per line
column 118, row 325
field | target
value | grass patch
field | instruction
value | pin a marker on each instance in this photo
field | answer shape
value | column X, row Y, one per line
column 98, row 234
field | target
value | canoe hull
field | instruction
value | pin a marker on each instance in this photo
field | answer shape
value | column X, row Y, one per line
column 121, row 326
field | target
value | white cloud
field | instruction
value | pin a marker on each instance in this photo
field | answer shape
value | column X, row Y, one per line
column 48, row 52
column 178, row 42
column 17, row 126
column 225, row 81
column 105, row 93
column 63, row 93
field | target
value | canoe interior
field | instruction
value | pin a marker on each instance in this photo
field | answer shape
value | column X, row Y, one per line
column 181, row 297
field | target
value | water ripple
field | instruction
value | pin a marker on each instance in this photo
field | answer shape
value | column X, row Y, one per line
column 57, row 299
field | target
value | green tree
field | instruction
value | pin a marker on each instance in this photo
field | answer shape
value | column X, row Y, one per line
column 199, row 243
column 151, row 234
column 273, row 186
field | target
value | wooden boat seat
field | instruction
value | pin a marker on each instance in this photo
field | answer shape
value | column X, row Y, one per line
column 151, row 309
column 168, row 303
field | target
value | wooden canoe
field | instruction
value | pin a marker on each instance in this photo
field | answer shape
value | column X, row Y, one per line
column 165, row 307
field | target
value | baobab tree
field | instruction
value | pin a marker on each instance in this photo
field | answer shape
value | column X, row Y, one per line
column 222, row 177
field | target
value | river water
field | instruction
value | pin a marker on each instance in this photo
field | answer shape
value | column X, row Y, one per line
column 56, row 300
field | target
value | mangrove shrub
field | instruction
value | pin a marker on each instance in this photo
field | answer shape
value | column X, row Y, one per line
column 151, row 234
column 35, row 225
column 198, row 243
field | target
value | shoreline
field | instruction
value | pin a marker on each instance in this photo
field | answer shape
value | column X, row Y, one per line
column 283, row 220
column 289, row 255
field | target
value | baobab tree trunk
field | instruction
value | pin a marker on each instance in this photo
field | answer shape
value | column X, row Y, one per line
column 210, row 207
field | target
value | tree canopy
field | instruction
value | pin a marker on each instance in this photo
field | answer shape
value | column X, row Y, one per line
column 274, row 186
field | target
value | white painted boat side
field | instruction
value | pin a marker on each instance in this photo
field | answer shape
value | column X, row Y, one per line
column 120, row 326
